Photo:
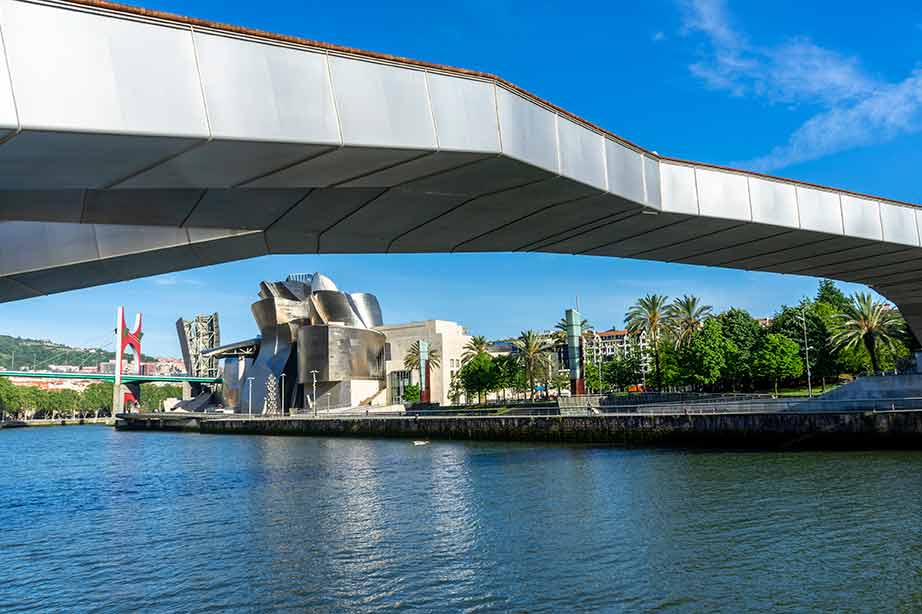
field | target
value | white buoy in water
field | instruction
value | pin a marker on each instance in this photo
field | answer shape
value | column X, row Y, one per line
column 420, row 443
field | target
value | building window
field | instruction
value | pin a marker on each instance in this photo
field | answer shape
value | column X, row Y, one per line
column 396, row 385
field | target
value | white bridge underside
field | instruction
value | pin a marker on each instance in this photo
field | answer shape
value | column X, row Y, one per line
column 136, row 145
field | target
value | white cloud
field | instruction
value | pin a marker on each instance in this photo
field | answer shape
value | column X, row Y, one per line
column 854, row 108
column 658, row 36
column 882, row 116
column 796, row 71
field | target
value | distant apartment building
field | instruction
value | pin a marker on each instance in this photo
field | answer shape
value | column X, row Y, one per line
column 764, row 322
column 446, row 338
column 108, row 367
column 602, row 346
column 166, row 366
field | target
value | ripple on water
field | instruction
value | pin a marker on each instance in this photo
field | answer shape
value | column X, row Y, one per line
column 94, row 520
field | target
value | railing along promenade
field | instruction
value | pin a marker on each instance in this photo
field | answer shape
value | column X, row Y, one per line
column 765, row 405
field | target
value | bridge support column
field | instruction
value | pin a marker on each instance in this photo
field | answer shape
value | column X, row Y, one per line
column 125, row 338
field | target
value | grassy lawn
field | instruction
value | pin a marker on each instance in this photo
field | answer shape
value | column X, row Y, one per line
column 801, row 391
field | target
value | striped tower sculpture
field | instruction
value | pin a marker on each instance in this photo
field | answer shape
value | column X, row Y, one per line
column 574, row 351
column 125, row 338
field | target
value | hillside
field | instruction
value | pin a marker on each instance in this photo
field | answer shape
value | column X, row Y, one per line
column 38, row 354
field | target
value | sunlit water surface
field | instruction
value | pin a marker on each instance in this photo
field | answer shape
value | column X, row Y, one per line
column 97, row 520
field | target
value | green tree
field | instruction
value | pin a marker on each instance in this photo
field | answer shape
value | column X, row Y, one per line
column 479, row 375
column 649, row 315
column 97, row 398
column 65, row 402
column 411, row 393
column 624, row 369
column 30, row 400
column 777, row 357
column 560, row 382
column 507, row 370
column 531, row 352
column 703, row 357
column 592, row 377
column 871, row 323
column 671, row 365
column 475, row 346
column 455, row 390
column 153, row 396
column 744, row 333
column 9, row 400
column 825, row 360
column 828, row 293
column 685, row 317
column 819, row 317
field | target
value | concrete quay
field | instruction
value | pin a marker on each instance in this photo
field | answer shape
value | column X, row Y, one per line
column 12, row 424
column 815, row 430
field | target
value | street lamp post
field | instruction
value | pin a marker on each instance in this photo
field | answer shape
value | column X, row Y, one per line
column 598, row 358
column 250, row 403
column 283, row 394
column 803, row 319
column 314, row 375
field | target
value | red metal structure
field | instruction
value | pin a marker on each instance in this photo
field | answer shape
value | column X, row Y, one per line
column 125, row 338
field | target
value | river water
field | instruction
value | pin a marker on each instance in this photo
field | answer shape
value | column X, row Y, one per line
column 97, row 520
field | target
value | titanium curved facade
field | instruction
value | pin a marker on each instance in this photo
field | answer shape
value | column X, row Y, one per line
column 304, row 331
column 160, row 143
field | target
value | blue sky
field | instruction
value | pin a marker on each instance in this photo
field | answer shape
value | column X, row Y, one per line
column 827, row 92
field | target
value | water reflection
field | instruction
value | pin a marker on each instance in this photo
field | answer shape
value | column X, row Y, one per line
column 170, row 522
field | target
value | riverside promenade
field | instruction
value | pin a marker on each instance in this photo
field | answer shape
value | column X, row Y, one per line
column 816, row 430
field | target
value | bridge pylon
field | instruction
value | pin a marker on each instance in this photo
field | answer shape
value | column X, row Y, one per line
column 125, row 338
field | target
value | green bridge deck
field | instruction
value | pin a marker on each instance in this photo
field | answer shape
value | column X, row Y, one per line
column 127, row 378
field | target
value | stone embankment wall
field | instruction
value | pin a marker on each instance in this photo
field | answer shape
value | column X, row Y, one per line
column 824, row 430
column 56, row 422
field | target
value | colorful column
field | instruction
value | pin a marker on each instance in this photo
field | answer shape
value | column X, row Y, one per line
column 574, row 351
column 424, row 371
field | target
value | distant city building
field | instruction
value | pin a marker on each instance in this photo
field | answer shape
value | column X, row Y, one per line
column 447, row 338
column 500, row 348
column 764, row 322
column 166, row 366
column 605, row 345
column 64, row 368
column 108, row 367
column 162, row 366
column 77, row 385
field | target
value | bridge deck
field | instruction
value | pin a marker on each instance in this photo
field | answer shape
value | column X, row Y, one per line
column 127, row 378
column 165, row 159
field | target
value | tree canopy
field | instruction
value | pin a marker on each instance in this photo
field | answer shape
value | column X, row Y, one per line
column 778, row 357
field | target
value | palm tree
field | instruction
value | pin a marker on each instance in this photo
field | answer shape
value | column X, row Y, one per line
column 560, row 330
column 868, row 322
column 411, row 360
column 648, row 315
column 532, row 349
column 686, row 316
column 476, row 346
